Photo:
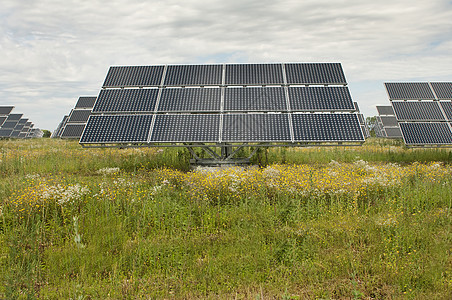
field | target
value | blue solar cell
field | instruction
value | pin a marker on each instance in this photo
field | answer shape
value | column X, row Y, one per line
column 315, row 73
column 409, row 91
column 197, row 75
column 417, row 111
column 126, row 100
column 190, row 100
column 426, row 133
column 320, row 99
column 253, row 74
column 134, row 76
column 255, row 99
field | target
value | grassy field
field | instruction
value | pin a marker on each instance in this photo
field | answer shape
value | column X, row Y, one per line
column 370, row 222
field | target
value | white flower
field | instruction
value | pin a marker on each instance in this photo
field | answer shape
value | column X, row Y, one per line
column 106, row 171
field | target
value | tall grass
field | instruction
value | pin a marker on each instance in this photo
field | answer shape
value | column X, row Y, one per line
column 331, row 223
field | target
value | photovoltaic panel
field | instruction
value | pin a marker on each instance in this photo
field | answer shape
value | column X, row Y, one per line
column 443, row 90
column 15, row 134
column 253, row 74
column 409, row 91
column 23, row 134
column 117, row 129
column 315, row 73
column 417, row 111
column 2, row 120
column 9, row 124
column 73, row 131
column 79, row 116
column 19, row 126
column 389, row 121
column 134, row 76
column 186, row 128
column 426, row 133
column 14, row 117
column 5, row 132
column 255, row 99
column 361, row 119
column 393, row 132
column 385, row 110
column 85, row 102
column 190, row 100
column 320, row 99
column 126, row 100
column 198, row 75
column 447, row 108
column 5, row 110
column 327, row 128
column 256, row 128
column 22, row 121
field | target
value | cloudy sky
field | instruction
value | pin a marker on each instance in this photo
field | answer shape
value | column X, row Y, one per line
column 52, row 51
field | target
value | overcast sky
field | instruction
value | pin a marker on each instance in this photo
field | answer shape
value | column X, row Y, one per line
column 52, row 51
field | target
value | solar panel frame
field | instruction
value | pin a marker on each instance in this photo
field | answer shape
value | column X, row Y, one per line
column 443, row 90
column 326, row 128
column 431, row 133
column 256, row 128
column 385, row 110
column 193, row 75
column 393, row 132
column 86, row 102
column 186, row 128
column 190, row 100
column 320, row 99
column 253, row 74
column 409, row 91
column 72, row 131
column 254, row 99
column 417, row 111
column 15, row 134
column 79, row 116
column 315, row 73
column 389, row 121
column 133, row 76
column 122, row 129
column 14, row 117
column 2, row 120
column 447, row 108
column 5, row 110
column 126, row 100
column 5, row 132
column 9, row 124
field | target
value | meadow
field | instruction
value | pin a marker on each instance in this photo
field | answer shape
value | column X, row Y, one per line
column 369, row 222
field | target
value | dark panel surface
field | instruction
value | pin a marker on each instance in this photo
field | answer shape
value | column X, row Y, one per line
column 389, row 121
column 385, row 110
column 5, row 132
column 326, row 128
column 447, row 107
column 186, row 128
column 426, row 133
column 6, row 110
column 72, row 131
column 85, row 102
column 19, row 126
column 443, row 90
column 409, row 91
column 253, row 74
column 198, row 75
column 320, row 99
column 393, row 132
column 190, row 100
column 79, row 116
column 23, row 121
column 15, row 134
column 14, row 117
column 129, row 76
column 2, row 119
column 126, row 100
column 117, row 129
column 9, row 124
column 256, row 128
column 255, row 99
column 417, row 111
column 315, row 73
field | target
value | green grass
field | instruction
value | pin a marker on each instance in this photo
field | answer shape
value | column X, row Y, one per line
column 74, row 227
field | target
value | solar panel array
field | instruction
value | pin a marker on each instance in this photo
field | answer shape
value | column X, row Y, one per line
column 72, row 125
column 224, row 103
column 14, row 126
column 387, row 125
column 423, row 111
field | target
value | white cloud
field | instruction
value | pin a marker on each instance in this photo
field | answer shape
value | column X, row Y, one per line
column 54, row 51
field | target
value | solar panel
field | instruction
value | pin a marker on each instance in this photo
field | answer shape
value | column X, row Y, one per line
column 393, row 132
column 320, row 99
column 5, row 110
column 79, row 116
column 326, row 128
column 15, row 134
column 190, row 100
column 134, row 76
column 443, row 90
column 126, row 100
column 389, row 121
column 23, row 121
column 19, row 126
column 9, row 124
column 198, row 75
column 186, row 128
column 256, row 128
column 2, row 119
column 409, row 91
column 14, row 117
column 117, row 129
column 426, row 133
column 23, row 134
column 385, row 110
column 85, row 102
column 72, row 131
column 361, row 119
column 5, row 132
column 417, row 111
column 255, row 99
column 447, row 108
column 253, row 74
column 315, row 73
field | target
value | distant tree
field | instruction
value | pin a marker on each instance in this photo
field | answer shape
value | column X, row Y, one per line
column 47, row 133
column 371, row 122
